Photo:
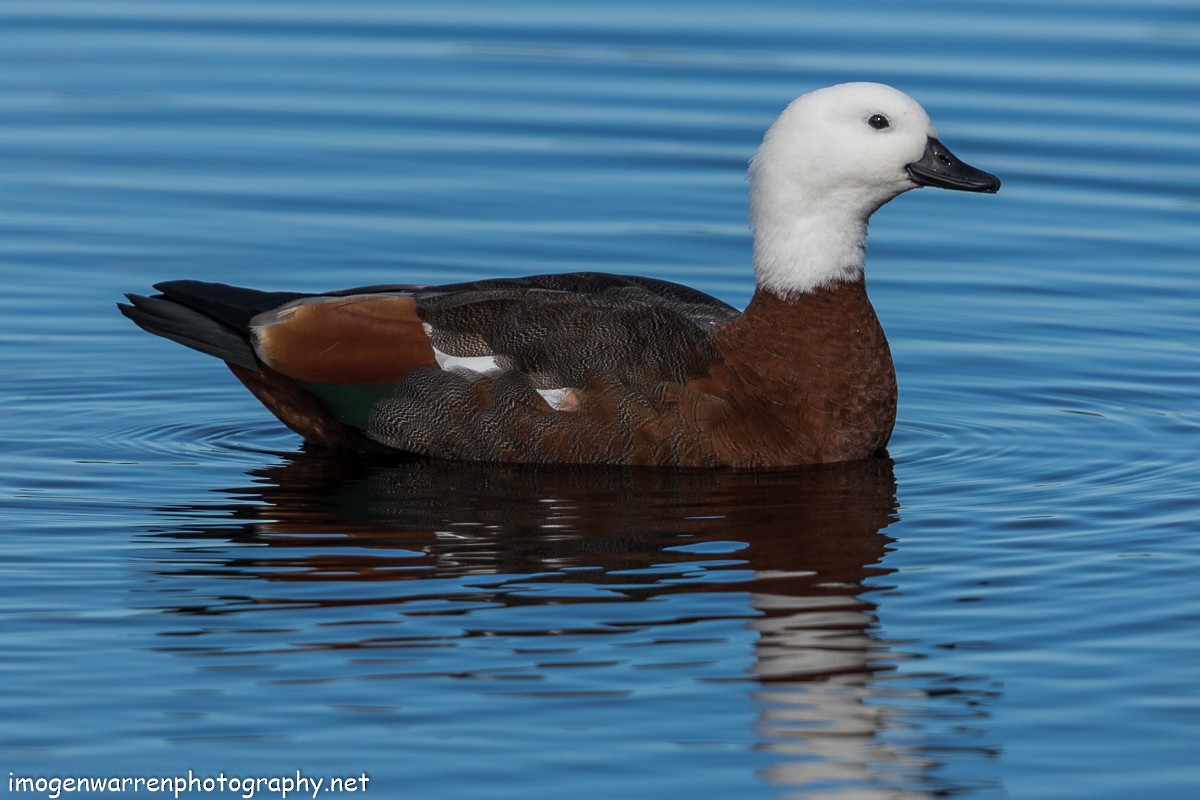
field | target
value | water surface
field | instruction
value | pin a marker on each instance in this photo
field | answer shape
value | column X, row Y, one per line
column 1005, row 607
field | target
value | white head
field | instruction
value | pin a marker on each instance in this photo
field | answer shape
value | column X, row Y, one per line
column 830, row 160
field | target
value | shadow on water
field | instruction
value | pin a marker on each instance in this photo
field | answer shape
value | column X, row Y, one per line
column 434, row 553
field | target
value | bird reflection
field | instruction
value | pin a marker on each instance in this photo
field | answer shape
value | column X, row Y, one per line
column 812, row 531
column 804, row 545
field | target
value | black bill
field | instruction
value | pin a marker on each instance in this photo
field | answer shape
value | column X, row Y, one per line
column 940, row 167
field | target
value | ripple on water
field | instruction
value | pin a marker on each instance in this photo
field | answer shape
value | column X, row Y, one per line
column 219, row 439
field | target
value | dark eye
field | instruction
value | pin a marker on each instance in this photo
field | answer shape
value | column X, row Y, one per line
column 878, row 122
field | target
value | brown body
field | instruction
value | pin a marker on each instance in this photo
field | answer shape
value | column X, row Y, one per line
column 802, row 380
column 821, row 386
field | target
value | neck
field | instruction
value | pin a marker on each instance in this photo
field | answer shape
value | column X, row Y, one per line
column 805, row 237
column 797, row 252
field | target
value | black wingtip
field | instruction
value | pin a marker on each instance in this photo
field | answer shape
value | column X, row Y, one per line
column 190, row 327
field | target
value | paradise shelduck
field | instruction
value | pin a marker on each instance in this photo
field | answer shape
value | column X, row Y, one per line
column 598, row 368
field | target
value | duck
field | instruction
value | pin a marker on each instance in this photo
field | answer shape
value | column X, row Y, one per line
column 597, row 368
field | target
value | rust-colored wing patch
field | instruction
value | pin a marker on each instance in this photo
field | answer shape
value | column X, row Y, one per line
column 369, row 338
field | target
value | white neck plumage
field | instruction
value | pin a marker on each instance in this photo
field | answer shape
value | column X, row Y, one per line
column 806, row 237
column 797, row 252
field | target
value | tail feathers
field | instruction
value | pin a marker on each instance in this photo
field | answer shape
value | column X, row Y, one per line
column 213, row 318
column 192, row 328
column 233, row 305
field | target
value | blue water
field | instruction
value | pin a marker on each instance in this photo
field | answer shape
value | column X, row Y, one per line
column 1007, row 608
